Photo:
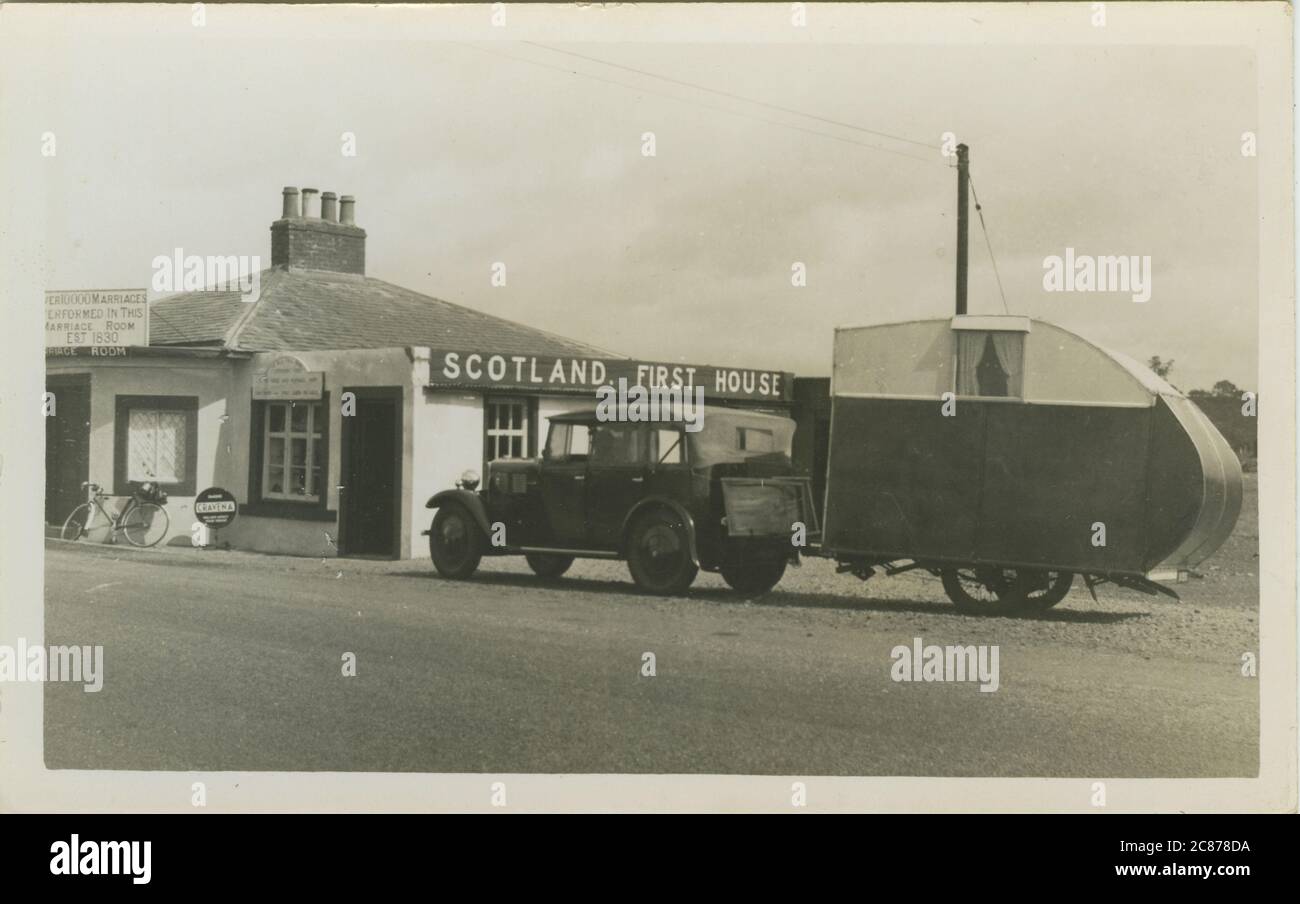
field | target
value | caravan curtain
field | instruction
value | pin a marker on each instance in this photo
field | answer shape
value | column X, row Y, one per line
column 1010, row 349
column 970, row 347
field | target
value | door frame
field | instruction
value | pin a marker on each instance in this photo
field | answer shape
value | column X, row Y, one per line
column 56, row 382
column 396, row 396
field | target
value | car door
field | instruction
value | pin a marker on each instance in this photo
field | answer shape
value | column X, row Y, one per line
column 616, row 480
column 564, row 487
column 668, row 474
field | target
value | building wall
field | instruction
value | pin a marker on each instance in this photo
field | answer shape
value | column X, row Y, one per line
column 208, row 379
column 552, row 405
column 447, row 440
column 343, row 369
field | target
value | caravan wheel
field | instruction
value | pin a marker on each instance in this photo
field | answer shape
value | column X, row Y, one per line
column 991, row 590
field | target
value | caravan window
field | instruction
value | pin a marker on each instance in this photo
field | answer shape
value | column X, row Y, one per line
column 990, row 363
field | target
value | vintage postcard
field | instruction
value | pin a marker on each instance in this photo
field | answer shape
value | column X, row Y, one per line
column 700, row 407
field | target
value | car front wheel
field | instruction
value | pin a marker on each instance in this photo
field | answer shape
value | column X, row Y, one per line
column 455, row 542
column 659, row 554
column 548, row 564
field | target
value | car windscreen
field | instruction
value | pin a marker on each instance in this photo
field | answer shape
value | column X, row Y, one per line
column 739, row 438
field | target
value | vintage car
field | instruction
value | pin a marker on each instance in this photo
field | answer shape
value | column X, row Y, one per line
column 667, row 500
column 1006, row 455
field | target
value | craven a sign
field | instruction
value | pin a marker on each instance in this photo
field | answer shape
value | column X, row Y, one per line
column 288, row 380
column 555, row 374
column 96, row 318
column 216, row 507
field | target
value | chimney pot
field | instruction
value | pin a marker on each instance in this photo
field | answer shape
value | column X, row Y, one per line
column 311, row 237
column 291, row 208
column 311, row 203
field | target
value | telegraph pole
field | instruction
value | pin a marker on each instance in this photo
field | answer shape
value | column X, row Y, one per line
column 963, row 218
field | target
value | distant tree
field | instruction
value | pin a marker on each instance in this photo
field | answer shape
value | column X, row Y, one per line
column 1223, row 406
column 1160, row 366
column 1224, row 389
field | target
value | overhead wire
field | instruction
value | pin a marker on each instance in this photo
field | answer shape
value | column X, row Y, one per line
column 717, row 109
column 733, row 96
column 979, row 209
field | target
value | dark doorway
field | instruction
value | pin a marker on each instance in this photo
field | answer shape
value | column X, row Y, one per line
column 371, row 471
column 67, row 446
column 812, row 438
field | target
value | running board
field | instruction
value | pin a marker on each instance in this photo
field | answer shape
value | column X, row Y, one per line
column 579, row 553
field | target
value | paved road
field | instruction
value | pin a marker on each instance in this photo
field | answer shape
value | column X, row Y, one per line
column 232, row 661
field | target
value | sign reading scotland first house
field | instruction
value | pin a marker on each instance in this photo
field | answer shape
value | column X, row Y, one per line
column 96, row 318
column 545, row 373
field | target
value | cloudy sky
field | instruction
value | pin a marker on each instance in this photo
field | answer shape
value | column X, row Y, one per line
column 473, row 152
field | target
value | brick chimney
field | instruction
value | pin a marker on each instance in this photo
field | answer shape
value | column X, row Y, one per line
column 311, row 238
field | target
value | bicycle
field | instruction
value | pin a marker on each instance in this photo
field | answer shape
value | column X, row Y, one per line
column 144, row 520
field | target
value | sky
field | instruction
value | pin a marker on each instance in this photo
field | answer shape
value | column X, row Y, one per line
column 471, row 153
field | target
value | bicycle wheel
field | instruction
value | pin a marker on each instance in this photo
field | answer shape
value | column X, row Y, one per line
column 75, row 527
column 145, row 524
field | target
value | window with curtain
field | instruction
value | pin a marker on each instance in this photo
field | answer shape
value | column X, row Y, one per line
column 155, row 439
column 990, row 364
column 156, row 447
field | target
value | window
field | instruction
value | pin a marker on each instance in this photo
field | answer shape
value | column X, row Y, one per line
column 567, row 442
column 615, row 444
column 155, row 439
column 666, row 447
column 507, row 423
column 990, row 363
column 155, row 445
column 293, row 456
column 754, row 439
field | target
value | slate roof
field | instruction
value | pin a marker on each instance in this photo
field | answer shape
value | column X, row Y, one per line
column 304, row 310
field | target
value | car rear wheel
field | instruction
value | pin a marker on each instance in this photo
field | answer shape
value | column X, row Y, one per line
column 754, row 574
column 659, row 554
column 455, row 542
column 548, row 564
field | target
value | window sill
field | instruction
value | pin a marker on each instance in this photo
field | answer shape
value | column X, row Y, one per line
column 297, row 511
column 173, row 490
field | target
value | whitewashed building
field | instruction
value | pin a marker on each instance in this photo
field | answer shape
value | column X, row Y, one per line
column 253, row 398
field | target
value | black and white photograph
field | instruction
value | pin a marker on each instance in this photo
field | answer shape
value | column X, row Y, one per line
column 824, row 400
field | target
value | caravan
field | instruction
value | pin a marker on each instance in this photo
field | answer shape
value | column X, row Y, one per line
column 1007, row 455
